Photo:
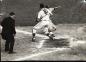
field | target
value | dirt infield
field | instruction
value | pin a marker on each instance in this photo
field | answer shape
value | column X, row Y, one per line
column 27, row 49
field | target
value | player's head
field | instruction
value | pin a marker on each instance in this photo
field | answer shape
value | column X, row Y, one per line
column 12, row 14
column 45, row 10
column 41, row 5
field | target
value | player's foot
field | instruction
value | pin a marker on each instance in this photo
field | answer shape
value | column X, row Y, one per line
column 33, row 39
column 52, row 36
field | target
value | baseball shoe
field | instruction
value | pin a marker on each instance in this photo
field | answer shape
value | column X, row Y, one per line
column 52, row 36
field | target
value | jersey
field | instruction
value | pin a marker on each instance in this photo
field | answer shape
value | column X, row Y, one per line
column 41, row 14
column 44, row 15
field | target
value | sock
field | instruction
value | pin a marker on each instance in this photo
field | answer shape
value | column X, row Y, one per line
column 33, row 35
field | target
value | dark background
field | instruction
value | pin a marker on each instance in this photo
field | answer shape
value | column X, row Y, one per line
column 72, row 11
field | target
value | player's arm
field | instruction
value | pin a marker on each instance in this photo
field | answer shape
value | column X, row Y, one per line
column 50, row 11
column 57, row 7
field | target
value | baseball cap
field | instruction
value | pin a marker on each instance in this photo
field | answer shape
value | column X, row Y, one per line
column 11, row 13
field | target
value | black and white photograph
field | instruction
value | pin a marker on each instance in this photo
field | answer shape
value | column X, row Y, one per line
column 43, row 30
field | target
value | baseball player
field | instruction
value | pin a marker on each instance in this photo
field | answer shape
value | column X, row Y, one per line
column 51, row 26
column 44, row 22
column 41, row 23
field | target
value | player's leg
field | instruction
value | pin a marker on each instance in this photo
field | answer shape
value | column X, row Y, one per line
column 46, row 27
column 33, row 34
column 49, row 33
column 46, row 31
column 35, row 28
column 34, row 31
column 51, row 29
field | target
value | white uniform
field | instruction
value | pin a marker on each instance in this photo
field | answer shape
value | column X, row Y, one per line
column 45, row 20
column 51, row 26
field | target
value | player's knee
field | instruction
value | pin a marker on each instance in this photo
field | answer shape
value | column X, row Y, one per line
column 34, row 30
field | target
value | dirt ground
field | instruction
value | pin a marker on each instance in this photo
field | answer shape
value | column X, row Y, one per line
column 26, row 48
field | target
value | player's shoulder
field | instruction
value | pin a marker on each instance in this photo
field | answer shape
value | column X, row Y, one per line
column 41, row 11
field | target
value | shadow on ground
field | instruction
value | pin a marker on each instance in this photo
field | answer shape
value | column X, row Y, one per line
column 56, row 43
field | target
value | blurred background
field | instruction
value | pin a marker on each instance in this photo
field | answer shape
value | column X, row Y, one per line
column 72, row 11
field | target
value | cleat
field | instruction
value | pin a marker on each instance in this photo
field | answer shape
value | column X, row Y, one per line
column 52, row 37
column 33, row 39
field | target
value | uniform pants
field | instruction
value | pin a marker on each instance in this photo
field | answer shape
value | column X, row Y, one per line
column 45, row 23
